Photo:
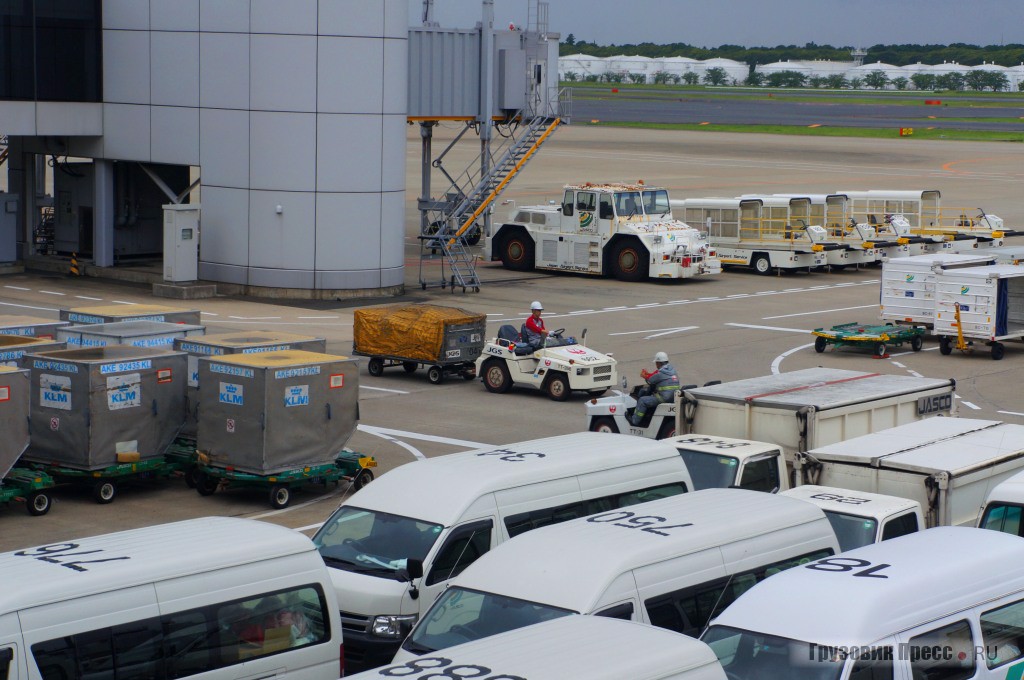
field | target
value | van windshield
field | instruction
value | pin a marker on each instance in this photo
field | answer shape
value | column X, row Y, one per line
column 376, row 543
column 852, row 531
column 709, row 470
column 746, row 655
column 460, row 615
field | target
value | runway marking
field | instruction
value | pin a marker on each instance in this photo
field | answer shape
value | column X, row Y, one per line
column 771, row 328
column 970, row 405
column 1011, row 413
column 16, row 287
column 613, row 309
column 658, row 332
column 45, row 309
column 318, row 317
column 495, row 314
column 737, row 295
column 390, row 435
column 915, row 374
column 582, row 311
column 896, row 363
column 254, row 318
column 209, row 313
column 381, row 389
column 309, row 527
column 648, row 304
column 124, row 302
column 52, row 292
column 86, row 297
column 820, row 311
column 778, row 360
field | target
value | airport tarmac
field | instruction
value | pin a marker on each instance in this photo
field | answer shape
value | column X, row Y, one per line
column 733, row 326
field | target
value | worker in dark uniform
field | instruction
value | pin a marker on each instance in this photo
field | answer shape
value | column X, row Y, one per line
column 662, row 385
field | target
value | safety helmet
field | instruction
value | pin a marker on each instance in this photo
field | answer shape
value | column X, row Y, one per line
column 536, row 305
column 661, row 358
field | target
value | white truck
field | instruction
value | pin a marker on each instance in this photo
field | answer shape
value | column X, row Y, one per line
column 1004, row 507
column 860, row 518
column 623, row 230
column 805, row 409
column 948, row 465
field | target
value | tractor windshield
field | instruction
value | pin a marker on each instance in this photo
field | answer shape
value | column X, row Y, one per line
column 656, row 203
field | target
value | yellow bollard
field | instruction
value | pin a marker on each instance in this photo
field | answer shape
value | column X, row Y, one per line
column 74, row 266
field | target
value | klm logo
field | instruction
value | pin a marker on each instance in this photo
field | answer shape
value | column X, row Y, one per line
column 56, row 397
column 124, row 397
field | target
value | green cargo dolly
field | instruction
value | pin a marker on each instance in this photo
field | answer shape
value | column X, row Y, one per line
column 105, row 482
column 29, row 487
column 876, row 338
column 349, row 466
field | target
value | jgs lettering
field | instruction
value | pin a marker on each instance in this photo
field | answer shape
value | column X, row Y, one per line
column 453, row 672
column 510, row 456
column 651, row 524
column 56, row 554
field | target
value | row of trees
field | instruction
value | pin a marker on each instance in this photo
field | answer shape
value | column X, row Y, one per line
column 878, row 80
column 898, row 55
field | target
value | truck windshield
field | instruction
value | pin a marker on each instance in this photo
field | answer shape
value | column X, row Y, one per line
column 460, row 615
column 852, row 531
column 656, row 202
column 376, row 543
column 1003, row 517
column 709, row 470
column 746, row 655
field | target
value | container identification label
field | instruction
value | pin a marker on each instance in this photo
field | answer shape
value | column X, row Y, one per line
column 154, row 342
column 124, row 391
column 85, row 318
column 12, row 355
column 232, row 394
column 296, row 372
column 55, row 366
column 232, row 370
column 123, row 366
column 259, row 350
column 18, row 331
column 296, row 395
column 82, row 341
column 193, row 348
column 55, row 392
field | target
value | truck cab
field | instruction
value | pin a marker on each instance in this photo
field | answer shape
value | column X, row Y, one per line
column 1004, row 507
column 720, row 462
column 623, row 230
column 861, row 518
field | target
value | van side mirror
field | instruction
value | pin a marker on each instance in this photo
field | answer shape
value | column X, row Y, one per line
column 413, row 569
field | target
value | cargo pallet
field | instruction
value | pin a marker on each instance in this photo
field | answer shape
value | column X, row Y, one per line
column 27, row 486
column 877, row 338
column 349, row 466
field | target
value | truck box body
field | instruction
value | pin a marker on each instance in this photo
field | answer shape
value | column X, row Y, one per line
column 115, row 313
column 135, row 333
column 908, row 284
column 14, row 412
column 237, row 342
column 31, row 326
column 991, row 300
column 13, row 348
column 1008, row 254
column 276, row 411
column 90, row 404
column 805, row 409
column 948, row 465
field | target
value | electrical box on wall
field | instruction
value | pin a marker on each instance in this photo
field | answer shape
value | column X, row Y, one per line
column 181, row 242
column 8, row 227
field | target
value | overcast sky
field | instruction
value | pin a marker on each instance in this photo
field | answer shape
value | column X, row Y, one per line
column 752, row 23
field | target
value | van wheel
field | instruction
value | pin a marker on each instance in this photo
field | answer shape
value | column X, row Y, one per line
column 557, row 386
column 603, row 424
column 496, row 376
column 517, row 252
column 205, row 484
column 280, row 496
column 668, row 429
column 104, row 491
column 37, row 503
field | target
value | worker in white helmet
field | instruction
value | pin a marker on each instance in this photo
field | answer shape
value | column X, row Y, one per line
column 534, row 332
column 662, row 385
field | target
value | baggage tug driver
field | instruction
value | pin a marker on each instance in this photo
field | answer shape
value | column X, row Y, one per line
column 662, row 385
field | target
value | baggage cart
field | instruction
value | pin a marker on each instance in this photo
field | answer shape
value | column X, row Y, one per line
column 350, row 466
column 105, row 483
column 876, row 338
column 18, row 483
column 980, row 303
column 30, row 487
column 446, row 340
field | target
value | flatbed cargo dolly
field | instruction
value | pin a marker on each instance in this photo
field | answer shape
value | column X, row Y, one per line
column 437, row 371
column 349, row 466
column 106, row 482
column 877, row 338
column 28, row 486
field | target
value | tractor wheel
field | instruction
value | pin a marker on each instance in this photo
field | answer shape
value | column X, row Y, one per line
column 496, row 376
column 630, row 261
column 517, row 252
column 557, row 386
column 603, row 424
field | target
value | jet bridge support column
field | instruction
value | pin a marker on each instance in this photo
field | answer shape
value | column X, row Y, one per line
column 426, row 160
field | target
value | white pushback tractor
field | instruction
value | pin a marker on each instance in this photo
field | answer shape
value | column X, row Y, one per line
column 622, row 230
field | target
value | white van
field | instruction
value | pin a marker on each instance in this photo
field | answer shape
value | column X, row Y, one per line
column 216, row 597
column 671, row 563
column 394, row 544
column 1004, row 507
column 569, row 648
column 945, row 603
column 860, row 518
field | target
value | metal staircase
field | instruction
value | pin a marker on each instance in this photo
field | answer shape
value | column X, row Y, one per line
column 452, row 222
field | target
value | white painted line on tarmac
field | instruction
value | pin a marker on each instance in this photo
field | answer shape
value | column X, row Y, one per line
column 318, row 317
column 677, row 302
column 86, row 297
column 613, row 309
column 16, row 287
column 794, row 290
column 254, row 318
column 648, row 304
column 381, row 389
column 970, row 405
column 209, row 313
column 820, row 311
column 658, row 331
column 778, row 360
column 818, row 287
column 45, row 309
column 768, row 328
column 124, row 302
column 52, row 292
column 372, row 429
column 495, row 314
column 896, row 363
column 709, row 299
column 582, row 311
column 309, row 527
column 342, row 324
column 1011, row 413
column 915, row 374
column 737, row 295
